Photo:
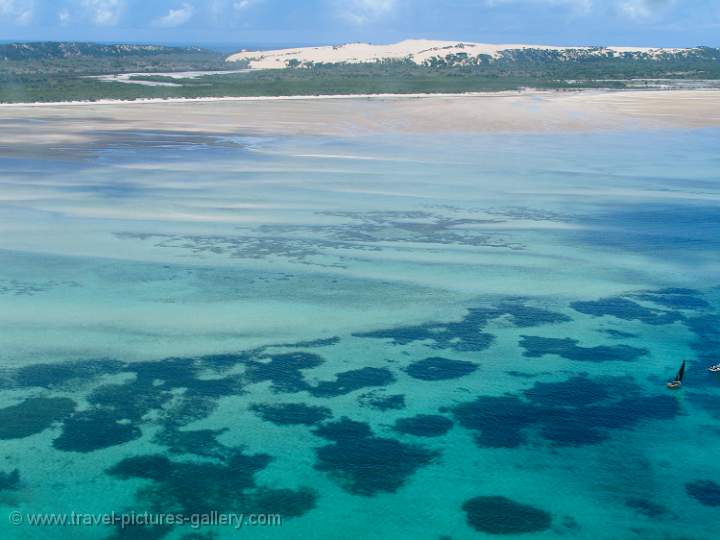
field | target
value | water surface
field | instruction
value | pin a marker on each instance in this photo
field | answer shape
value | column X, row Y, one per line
column 388, row 336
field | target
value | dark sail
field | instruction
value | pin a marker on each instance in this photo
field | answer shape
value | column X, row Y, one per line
column 680, row 373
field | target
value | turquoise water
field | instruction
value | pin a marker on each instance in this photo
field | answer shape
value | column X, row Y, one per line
column 393, row 336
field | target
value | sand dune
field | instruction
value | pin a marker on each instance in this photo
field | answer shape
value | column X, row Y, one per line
column 415, row 50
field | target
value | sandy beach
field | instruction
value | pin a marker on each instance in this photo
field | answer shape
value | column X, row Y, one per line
column 527, row 112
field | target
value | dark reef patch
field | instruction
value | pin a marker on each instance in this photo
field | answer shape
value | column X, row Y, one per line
column 709, row 402
column 131, row 400
column 56, row 375
column 625, row 309
column 499, row 421
column 568, row 348
column 284, row 371
column 187, row 409
column 645, row 507
column 524, row 316
column 201, row 442
column 323, row 342
column 192, row 487
column 670, row 305
column 706, row 492
column 707, row 331
column 439, row 336
column 177, row 390
column 500, row 515
column 167, row 373
column 674, row 298
column 149, row 467
column 382, row 402
column 349, row 381
column 682, row 291
column 156, row 386
column 224, row 361
column 424, row 425
column 344, row 430
column 285, row 414
column 524, row 374
column 91, row 430
column 174, row 373
column 215, row 387
column 573, row 392
column 360, row 231
column 437, row 368
column 364, row 464
column 618, row 334
column 9, row 480
column 684, row 299
column 17, row 287
column 33, row 416
column 467, row 334
column 288, row 503
column 208, row 479
column 269, row 243
column 574, row 412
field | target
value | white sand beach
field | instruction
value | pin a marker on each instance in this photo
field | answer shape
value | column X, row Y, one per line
column 528, row 112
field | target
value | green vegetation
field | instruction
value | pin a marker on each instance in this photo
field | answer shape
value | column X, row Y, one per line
column 60, row 72
column 32, row 60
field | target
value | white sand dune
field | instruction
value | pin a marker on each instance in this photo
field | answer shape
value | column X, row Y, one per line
column 415, row 50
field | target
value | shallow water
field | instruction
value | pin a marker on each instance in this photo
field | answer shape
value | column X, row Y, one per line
column 374, row 337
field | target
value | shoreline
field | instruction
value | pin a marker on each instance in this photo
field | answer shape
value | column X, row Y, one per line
column 212, row 99
column 525, row 111
column 415, row 95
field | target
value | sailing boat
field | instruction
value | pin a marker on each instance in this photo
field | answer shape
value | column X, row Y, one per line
column 677, row 381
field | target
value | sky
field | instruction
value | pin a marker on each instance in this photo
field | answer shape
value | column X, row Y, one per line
column 267, row 23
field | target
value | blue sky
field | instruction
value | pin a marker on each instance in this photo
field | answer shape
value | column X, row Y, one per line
column 275, row 22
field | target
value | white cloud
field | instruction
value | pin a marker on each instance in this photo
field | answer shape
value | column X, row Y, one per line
column 636, row 10
column 640, row 10
column 362, row 11
column 577, row 6
column 104, row 12
column 241, row 5
column 176, row 17
column 228, row 11
column 217, row 8
column 21, row 11
column 63, row 16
